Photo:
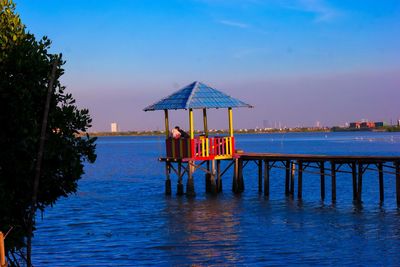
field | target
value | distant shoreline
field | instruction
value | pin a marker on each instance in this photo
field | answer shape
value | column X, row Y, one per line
column 253, row 131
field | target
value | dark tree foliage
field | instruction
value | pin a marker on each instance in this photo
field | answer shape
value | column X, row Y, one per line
column 25, row 67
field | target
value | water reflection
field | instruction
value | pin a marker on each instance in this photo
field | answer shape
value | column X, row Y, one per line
column 203, row 231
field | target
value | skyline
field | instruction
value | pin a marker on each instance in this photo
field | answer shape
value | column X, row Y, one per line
column 297, row 62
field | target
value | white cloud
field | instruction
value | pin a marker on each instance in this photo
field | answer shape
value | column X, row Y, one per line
column 234, row 24
column 322, row 10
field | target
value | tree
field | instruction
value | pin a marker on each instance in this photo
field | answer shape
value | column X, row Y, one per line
column 25, row 69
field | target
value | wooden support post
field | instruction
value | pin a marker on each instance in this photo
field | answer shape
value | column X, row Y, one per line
column 205, row 122
column 266, row 179
column 219, row 180
column 179, row 190
column 191, row 124
column 230, row 122
column 359, row 188
column 354, row 176
column 168, row 179
column 287, row 177
column 166, row 124
column 235, row 176
column 300, row 180
column 292, row 177
column 333, row 176
column 240, row 177
column 322, row 171
column 397, row 168
column 260, row 176
column 190, row 182
column 3, row 262
column 381, row 188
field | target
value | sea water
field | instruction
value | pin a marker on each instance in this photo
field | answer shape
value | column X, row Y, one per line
column 121, row 217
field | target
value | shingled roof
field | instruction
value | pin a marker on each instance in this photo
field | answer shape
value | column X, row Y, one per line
column 197, row 95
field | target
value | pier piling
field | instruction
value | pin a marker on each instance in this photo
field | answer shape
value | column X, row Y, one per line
column 333, row 178
column 190, row 182
column 235, row 176
column 381, row 188
column 266, row 161
column 354, row 178
column 292, row 177
column 168, row 179
column 359, row 182
column 266, row 179
column 322, row 178
column 259, row 175
column 219, row 178
column 287, row 177
column 179, row 191
column 300, row 180
column 397, row 168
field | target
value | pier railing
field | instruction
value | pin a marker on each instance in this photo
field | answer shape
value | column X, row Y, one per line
column 201, row 148
column 212, row 148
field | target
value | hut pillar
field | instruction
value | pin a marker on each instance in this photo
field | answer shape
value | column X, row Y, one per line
column 166, row 124
column 191, row 124
column 205, row 122
column 230, row 122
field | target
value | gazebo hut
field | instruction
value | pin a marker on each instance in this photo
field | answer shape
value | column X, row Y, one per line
column 197, row 148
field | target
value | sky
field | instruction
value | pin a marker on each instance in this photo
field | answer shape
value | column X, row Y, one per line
column 298, row 62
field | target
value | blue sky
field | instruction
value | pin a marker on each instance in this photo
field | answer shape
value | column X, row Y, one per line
column 297, row 61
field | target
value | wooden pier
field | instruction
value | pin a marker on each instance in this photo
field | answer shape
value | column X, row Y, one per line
column 187, row 154
column 323, row 165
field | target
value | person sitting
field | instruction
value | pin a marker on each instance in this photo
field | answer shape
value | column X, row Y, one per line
column 175, row 133
column 182, row 132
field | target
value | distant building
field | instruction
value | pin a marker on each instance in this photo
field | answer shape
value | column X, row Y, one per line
column 364, row 124
column 355, row 125
column 367, row 124
column 114, row 127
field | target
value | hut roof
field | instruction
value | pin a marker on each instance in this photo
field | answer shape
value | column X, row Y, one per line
column 197, row 95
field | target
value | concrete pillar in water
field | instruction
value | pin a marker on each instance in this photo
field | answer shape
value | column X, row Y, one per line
column 333, row 176
column 292, row 177
column 266, row 179
column 300, row 181
column 168, row 179
column 322, row 171
column 219, row 180
column 190, row 182
column 213, row 185
column 179, row 191
column 208, row 178
column 260, row 175
column 235, row 176
column 287, row 177
column 397, row 168
column 240, row 176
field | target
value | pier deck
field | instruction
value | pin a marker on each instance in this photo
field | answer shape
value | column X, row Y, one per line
column 323, row 165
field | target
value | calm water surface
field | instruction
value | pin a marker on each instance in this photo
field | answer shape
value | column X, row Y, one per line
column 121, row 217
